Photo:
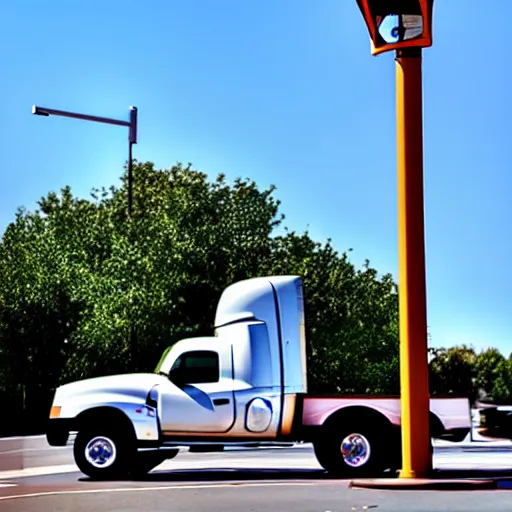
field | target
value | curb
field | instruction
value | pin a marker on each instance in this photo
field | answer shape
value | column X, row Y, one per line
column 426, row 484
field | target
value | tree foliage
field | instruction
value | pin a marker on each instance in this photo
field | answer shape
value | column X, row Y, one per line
column 488, row 367
column 460, row 371
column 452, row 371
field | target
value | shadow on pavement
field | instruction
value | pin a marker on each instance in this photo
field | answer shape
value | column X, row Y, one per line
column 231, row 475
column 501, row 477
column 504, row 477
column 227, row 474
column 473, row 473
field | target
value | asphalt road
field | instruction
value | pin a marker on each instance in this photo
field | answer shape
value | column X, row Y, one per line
column 252, row 480
column 33, row 453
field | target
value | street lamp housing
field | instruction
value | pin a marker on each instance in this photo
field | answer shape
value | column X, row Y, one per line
column 397, row 24
column 132, row 134
column 38, row 111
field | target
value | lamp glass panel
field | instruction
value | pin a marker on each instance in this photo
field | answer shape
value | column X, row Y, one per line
column 394, row 28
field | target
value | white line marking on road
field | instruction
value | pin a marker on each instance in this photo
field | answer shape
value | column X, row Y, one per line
column 21, row 450
column 8, row 485
column 40, row 471
column 22, row 438
column 159, row 488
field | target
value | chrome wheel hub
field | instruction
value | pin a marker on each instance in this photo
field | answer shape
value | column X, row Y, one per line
column 355, row 449
column 100, row 452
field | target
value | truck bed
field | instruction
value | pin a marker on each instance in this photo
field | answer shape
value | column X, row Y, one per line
column 450, row 417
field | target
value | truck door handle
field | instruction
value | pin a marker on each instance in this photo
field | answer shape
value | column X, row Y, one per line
column 221, row 401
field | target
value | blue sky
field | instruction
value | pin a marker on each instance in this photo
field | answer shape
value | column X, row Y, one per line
column 286, row 93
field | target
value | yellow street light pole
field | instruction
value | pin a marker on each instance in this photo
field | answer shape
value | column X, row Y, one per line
column 415, row 397
column 405, row 26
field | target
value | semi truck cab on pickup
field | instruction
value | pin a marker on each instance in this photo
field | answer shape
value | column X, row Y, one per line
column 246, row 384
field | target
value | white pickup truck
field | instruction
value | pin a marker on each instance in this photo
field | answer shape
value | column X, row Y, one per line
column 245, row 385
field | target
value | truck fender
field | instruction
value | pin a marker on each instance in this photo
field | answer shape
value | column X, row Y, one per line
column 377, row 418
column 105, row 415
column 142, row 419
column 436, row 425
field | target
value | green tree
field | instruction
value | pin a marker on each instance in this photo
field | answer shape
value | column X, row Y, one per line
column 502, row 385
column 488, row 366
column 36, row 313
column 162, row 271
column 452, row 371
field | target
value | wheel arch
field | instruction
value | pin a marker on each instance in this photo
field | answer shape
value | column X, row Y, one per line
column 436, row 426
column 379, row 419
column 106, row 415
column 359, row 413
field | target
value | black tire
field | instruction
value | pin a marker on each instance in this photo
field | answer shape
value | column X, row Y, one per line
column 369, row 447
column 144, row 462
column 113, row 446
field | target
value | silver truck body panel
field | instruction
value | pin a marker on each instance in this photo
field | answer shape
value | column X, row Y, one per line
column 192, row 407
column 247, row 373
column 75, row 397
column 126, row 393
column 276, row 301
column 239, row 428
column 252, row 356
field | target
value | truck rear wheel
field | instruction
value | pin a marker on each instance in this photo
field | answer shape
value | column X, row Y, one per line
column 103, row 454
column 355, row 450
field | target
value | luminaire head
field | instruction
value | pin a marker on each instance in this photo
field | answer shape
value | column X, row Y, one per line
column 38, row 111
column 397, row 24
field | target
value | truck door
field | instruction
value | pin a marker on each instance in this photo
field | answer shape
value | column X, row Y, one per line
column 199, row 397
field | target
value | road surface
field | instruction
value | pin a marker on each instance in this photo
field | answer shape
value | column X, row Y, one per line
column 282, row 479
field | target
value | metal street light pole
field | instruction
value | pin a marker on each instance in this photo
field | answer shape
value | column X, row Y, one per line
column 132, row 139
column 415, row 396
column 132, row 135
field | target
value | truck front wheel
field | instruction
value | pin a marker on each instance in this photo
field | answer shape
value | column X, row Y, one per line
column 103, row 454
column 351, row 451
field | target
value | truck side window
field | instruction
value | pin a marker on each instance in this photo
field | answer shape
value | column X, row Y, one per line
column 196, row 367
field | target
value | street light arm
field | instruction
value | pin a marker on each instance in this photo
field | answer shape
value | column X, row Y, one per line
column 42, row 111
column 132, row 139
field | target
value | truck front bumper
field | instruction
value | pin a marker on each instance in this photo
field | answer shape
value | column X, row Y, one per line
column 57, row 431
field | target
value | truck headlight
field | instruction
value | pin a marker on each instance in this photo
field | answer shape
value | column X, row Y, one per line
column 55, row 412
column 259, row 415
